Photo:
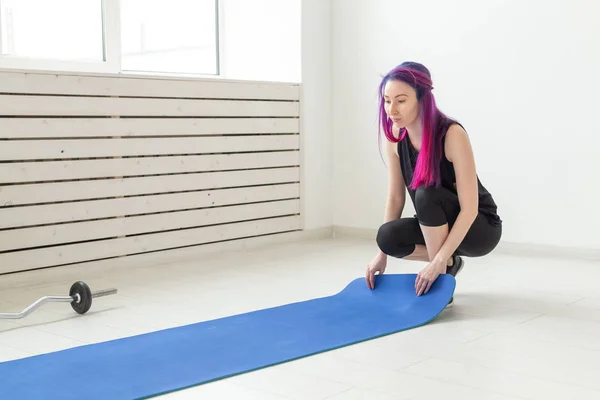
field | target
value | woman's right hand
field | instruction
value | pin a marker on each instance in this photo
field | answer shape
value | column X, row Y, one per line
column 378, row 264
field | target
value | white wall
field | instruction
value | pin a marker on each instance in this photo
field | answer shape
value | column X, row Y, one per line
column 261, row 39
column 316, row 114
column 252, row 51
column 523, row 78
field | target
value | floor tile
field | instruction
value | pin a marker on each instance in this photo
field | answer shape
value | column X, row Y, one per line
column 509, row 336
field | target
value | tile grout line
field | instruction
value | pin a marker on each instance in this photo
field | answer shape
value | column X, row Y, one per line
column 477, row 338
column 531, row 319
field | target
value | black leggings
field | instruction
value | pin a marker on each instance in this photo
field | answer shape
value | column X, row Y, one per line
column 436, row 207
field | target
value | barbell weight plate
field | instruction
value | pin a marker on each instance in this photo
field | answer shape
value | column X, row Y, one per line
column 85, row 296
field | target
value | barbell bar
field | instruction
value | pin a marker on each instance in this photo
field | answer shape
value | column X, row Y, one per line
column 80, row 296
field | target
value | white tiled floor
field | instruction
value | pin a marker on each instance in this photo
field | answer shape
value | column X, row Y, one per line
column 521, row 328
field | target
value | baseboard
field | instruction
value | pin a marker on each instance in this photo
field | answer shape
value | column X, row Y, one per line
column 198, row 253
column 546, row 251
column 318, row 233
column 351, row 232
column 504, row 247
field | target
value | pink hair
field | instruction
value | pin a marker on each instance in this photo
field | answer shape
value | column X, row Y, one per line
column 434, row 122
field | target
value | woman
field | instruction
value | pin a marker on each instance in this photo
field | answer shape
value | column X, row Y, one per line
column 430, row 156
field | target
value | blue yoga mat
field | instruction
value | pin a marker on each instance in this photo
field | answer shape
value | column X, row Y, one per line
column 160, row 362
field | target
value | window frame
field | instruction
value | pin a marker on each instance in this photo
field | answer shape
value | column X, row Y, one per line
column 111, row 25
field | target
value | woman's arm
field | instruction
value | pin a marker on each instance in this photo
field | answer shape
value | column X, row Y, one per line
column 460, row 153
column 394, row 205
column 396, row 188
column 396, row 193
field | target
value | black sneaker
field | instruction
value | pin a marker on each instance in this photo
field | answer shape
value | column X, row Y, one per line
column 456, row 267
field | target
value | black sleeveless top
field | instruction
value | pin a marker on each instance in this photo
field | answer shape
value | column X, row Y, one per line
column 408, row 160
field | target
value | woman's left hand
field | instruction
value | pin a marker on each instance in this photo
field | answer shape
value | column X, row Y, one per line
column 428, row 275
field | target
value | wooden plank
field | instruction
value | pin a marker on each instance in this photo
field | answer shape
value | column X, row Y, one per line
column 119, row 147
column 144, row 86
column 104, row 188
column 14, row 239
column 14, row 217
column 21, row 172
column 20, row 105
column 15, row 128
column 76, row 253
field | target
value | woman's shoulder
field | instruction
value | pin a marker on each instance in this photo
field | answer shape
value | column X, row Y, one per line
column 455, row 130
column 456, row 141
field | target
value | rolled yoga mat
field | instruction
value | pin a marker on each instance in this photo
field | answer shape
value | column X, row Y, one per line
column 164, row 361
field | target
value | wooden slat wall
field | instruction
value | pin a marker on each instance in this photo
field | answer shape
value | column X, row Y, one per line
column 94, row 167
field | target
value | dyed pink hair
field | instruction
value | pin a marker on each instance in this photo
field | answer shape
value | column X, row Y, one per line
column 434, row 122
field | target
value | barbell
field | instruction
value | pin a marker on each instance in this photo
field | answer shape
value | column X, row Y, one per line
column 80, row 296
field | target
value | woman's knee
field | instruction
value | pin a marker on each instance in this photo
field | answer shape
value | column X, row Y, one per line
column 386, row 237
column 428, row 205
column 397, row 238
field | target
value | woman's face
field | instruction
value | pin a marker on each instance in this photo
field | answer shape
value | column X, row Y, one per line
column 401, row 104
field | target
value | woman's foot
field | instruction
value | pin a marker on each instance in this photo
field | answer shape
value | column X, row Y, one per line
column 456, row 267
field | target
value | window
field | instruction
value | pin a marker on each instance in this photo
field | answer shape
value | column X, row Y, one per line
column 47, row 29
column 235, row 39
column 178, row 36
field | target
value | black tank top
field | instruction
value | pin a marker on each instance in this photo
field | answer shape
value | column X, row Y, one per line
column 408, row 160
